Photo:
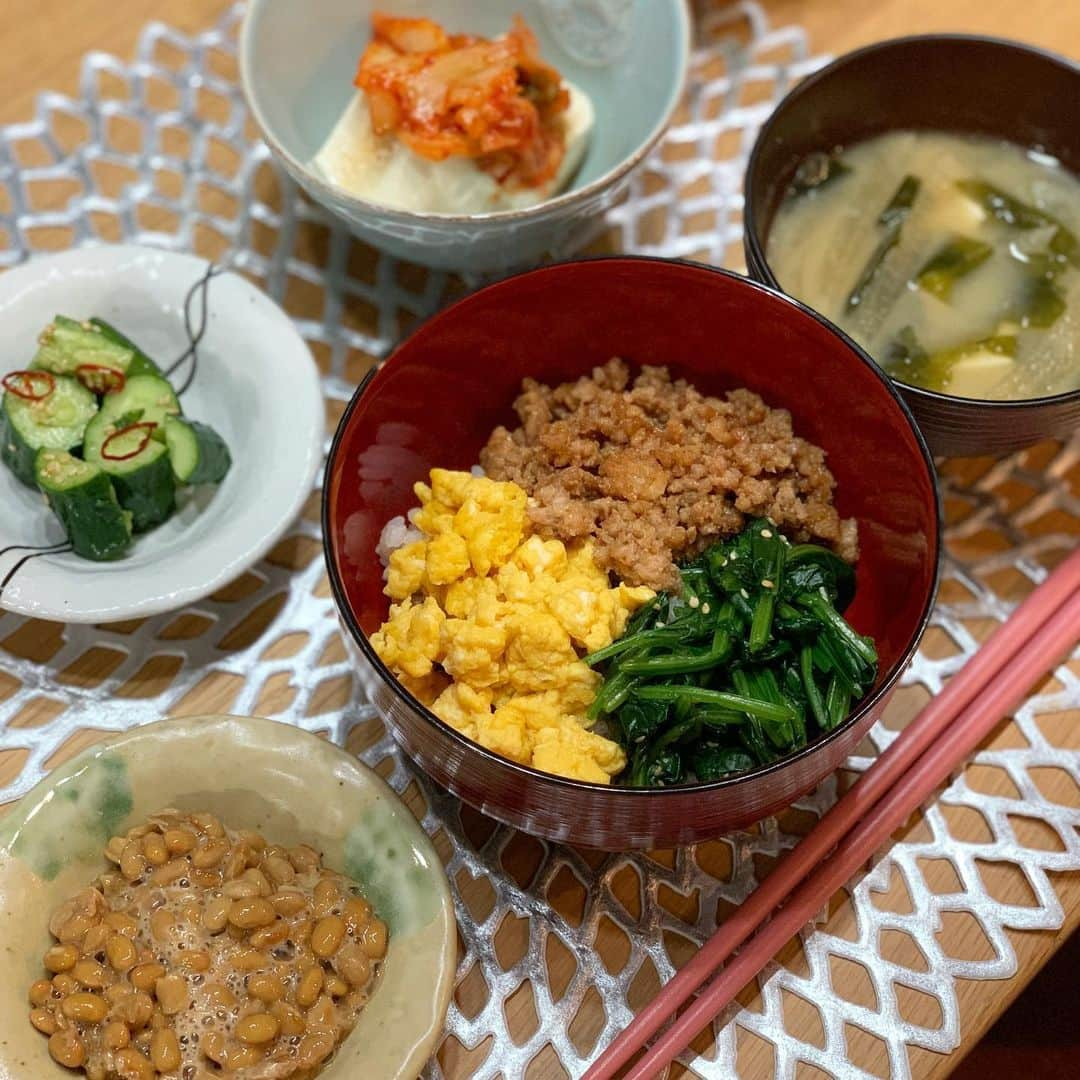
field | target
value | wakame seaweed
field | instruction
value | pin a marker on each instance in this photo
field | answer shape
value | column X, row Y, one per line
column 815, row 171
column 1017, row 214
column 955, row 259
column 747, row 663
column 890, row 221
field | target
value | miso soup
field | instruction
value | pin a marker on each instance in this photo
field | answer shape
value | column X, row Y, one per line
column 953, row 260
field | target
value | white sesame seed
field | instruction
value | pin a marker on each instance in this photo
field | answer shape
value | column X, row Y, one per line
column 733, row 556
column 705, row 609
column 694, row 601
column 766, row 534
column 744, row 594
column 767, row 583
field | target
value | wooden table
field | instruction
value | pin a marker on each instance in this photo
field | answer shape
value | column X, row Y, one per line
column 44, row 42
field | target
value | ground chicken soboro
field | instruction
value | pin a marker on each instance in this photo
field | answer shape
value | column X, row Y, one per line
column 656, row 471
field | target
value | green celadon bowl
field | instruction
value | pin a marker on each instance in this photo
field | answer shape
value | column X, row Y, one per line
column 291, row 786
column 631, row 57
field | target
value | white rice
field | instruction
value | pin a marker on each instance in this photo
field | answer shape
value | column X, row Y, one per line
column 396, row 534
column 398, row 531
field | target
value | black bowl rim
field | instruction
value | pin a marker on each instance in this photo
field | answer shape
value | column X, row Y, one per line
column 585, row 786
column 750, row 226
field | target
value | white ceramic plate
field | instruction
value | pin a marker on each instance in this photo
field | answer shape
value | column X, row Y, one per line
column 257, row 385
column 291, row 786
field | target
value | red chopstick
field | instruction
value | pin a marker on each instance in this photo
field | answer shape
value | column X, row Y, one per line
column 924, row 734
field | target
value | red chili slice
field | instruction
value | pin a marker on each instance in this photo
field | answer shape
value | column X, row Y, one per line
column 30, row 385
column 100, row 379
column 146, row 426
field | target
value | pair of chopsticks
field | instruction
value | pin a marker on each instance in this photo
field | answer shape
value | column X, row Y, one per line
column 989, row 687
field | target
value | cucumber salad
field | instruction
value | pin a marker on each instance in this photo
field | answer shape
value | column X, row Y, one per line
column 96, row 426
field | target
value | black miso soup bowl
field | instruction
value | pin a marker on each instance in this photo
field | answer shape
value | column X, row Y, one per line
column 940, row 82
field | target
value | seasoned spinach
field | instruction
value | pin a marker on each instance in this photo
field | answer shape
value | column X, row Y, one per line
column 746, row 663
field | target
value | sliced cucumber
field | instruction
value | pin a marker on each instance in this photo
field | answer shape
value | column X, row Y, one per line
column 82, row 497
column 144, row 398
column 55, row 422
column 199, row 454
column 65, row 344
column 143, row 481
column 141, row 364
column 88, row 351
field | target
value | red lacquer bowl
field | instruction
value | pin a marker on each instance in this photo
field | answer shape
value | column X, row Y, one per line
column 436, row 400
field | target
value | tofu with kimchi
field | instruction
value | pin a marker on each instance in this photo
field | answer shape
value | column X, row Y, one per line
column 456, row 124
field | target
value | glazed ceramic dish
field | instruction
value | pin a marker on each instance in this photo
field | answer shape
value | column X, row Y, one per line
column 438, row 397
column 257, row 385
column 297, row 63
column 951, row 83
column 257, row 774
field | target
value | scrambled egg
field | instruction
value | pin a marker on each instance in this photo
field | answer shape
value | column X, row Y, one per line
column 489, row 622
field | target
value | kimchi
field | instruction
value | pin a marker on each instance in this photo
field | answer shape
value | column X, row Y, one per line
column 457, row 95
